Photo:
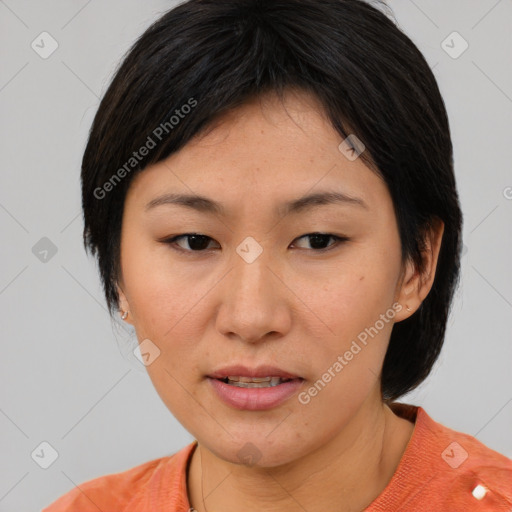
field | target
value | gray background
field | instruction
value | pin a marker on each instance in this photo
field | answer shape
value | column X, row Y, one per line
column 69, row 377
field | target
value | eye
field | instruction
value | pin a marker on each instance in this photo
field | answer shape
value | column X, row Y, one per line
column 319, row 239
column 196, row 242
column 199, row 243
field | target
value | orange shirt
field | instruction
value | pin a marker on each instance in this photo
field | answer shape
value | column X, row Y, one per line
column 441, row 470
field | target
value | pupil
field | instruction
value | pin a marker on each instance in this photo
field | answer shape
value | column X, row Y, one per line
column 193, row 239
column 314, row 239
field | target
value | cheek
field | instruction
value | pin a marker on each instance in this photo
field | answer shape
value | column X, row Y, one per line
column 160, row 293
column 355, row 309
column 354, row 294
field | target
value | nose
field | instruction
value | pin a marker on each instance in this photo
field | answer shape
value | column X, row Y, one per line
column 253, row 301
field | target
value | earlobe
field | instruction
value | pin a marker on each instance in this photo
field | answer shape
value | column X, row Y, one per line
column 124, row 307
column 407, row 285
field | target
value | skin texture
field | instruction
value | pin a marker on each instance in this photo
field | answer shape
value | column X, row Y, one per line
column 295, row 307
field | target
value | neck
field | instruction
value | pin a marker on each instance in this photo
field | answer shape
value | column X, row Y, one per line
column 347, row 473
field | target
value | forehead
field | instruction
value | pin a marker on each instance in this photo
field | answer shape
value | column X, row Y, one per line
column 264, row 150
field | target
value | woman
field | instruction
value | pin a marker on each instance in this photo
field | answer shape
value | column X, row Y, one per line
column 234, row 138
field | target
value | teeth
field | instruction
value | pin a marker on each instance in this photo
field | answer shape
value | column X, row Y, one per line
column 250, row 379
column 255, row 382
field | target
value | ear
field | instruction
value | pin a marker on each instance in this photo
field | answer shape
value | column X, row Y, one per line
column 124, row 304
column 414, row 285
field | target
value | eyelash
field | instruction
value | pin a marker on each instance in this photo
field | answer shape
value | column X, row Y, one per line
column 173, row 241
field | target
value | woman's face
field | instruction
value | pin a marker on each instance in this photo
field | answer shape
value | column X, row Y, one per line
column 256, row 290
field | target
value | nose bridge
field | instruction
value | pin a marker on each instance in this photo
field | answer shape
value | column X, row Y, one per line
column 251, row 274
column 250, row 303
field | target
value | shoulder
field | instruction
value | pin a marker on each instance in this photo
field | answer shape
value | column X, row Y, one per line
column 475, row 473
column 459, row 450
column 119, row 491
column 449, row 470
column 113, row 490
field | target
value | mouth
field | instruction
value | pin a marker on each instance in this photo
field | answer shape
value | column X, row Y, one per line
column 263, row 376
column 255, row 389
column 256, row 382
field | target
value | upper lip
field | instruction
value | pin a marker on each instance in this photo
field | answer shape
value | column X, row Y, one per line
column 244, row 371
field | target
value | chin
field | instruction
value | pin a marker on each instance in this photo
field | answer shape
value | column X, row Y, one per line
column 254, row 450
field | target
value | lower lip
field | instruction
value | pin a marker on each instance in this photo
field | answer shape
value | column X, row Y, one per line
column 255, row 399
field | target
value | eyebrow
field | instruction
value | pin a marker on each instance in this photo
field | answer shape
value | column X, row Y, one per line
column 206, row 205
